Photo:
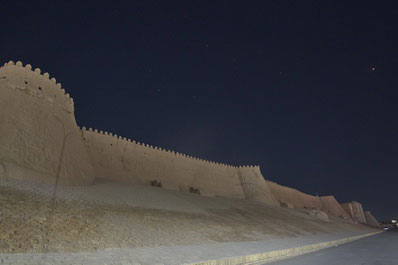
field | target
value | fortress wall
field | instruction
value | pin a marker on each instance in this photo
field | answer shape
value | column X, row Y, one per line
column 359, row 215
column 125, row 160
column 122, row 159
column 331, row 206
column 254, row 185
column 290, row 196
column 37, row 85
column 371, row 220
column 39, row 138
column 294, row 197
column 354, row 209
column 311, row 201
column 348, row 208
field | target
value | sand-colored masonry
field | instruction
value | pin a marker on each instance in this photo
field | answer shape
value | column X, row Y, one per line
column 39, row 138
column 355, row 210
column 40, row 141
column 122, row 159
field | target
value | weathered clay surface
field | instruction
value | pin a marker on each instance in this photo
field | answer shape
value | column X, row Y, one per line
column 255, row 187
column 355, row 210
column 39, row 138
column 121, row 159
column 40, row 141
column 331, row 206
column 290, row 196
column 371, row 220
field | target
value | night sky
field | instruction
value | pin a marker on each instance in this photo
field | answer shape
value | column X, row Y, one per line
column 305, row 89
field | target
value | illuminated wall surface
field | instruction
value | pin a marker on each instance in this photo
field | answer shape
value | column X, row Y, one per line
column 39, row 138
column 354, row 209
column 370, row 219
column 40, row 141
column 122, row 159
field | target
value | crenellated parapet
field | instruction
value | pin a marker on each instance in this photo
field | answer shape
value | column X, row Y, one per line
column 44, row 109
column 39, row 138
column 37, row 84
column 119, row 158
column 114, row 138
column 40, row 141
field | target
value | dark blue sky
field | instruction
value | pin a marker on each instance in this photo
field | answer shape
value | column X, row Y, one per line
column 305, row 89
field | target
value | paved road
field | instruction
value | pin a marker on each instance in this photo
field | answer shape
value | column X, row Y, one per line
column 381, row 249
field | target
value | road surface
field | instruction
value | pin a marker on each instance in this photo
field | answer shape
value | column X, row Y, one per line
column 381, row 249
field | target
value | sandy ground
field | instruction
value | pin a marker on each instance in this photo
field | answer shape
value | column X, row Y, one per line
column 113, row 215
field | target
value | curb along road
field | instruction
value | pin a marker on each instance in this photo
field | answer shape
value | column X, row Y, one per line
column 269, row 256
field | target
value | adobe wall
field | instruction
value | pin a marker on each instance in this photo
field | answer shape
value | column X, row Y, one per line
column 354, row 209
column 122, row 159
column 286, row 195
column 331, row 206
column 293, row 198
column 254, row 186
column 371, row 220
column 40, row 141
column 39, row 138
